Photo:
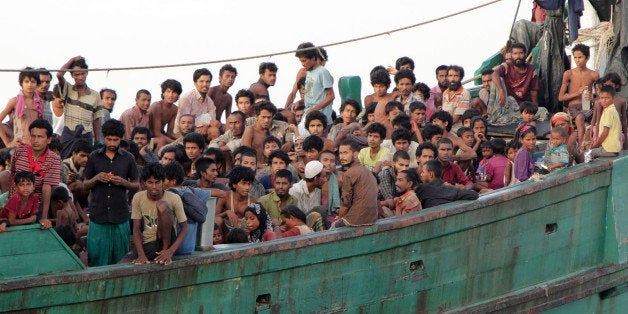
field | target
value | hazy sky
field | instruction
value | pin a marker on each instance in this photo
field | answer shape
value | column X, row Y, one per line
column 118, row 33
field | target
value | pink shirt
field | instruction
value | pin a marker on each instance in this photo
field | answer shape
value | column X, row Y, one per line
column 495, row 169
column 193, row 103
column 429, row 104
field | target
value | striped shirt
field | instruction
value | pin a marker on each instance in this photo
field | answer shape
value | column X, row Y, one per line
column 49, row 162
column 83, row 109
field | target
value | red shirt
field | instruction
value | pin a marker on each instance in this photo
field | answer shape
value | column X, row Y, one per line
column 15, row 202
column 453, row 175
column 519, row 85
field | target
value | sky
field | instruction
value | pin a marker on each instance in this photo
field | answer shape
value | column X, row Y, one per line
column 119, row 33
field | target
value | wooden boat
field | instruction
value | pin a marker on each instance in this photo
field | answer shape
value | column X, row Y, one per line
column 560, row 245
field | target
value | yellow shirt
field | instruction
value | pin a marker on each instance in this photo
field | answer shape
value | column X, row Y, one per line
column 610, row 119
column 144, row 208
column 365, row 157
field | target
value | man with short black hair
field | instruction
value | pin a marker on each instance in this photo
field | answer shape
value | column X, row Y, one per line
column 136, row 115
column 358, row 202
column 44, row 163
column 433, row 192
column 222, row 99
column 267, row 78
column 455, row 98
column 197, row 101
column 110, row 173
column 82, row 105
column 279, row 197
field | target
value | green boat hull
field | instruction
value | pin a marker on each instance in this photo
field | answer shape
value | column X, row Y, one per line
column 560, row 246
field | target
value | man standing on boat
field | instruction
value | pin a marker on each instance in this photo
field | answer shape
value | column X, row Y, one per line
column 267, row 78
column 110, row 172
column 82, row 104
column 358, row 201
column 222, row 99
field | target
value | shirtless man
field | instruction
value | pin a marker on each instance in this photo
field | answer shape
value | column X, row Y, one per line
column 255, row 134
column 380, row 80
column 230, row 210
column 444, row 120
column 164, row 112
column 222, row 99
column 267, row 78
column 575, row 82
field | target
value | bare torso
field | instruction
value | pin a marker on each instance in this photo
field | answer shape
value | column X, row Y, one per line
column 222, row 101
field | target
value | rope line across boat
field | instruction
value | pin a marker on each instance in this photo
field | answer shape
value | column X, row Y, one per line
column 176, row 65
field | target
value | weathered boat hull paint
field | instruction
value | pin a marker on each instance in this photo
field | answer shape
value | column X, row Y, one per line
column 558, row 245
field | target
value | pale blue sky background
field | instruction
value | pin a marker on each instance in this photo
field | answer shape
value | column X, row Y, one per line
column 119, row 33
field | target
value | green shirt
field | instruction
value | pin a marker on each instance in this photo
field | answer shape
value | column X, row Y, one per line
column 272, row 204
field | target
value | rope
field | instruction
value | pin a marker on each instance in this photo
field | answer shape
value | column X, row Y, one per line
column 602, row 36
column 176, row 65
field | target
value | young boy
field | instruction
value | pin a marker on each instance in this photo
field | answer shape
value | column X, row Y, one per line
column 319, row 92
column 230, row 210
column 393, row 109
column 576, row 87
column 417, row 113
column 557, row 154
column 316, row 124
column 380, row 80
column 466, row 134
column 614, row 80
column 158, row 212
column 511, row 152
column 495, row 167
column 374, row 154
column 22, row 207
column 349, row 110
column 608, row 143
column 528, row 110
column 194, row 144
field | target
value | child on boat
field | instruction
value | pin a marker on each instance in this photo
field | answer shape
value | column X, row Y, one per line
column 608, row 143
column 258, row 223
column 22, row 207
column 524, row 164
column 511, row 151
column 293, row 223
column 495, row 167
column 557, row 154
column 374, row 155
column 466, row 134
column 528, row 110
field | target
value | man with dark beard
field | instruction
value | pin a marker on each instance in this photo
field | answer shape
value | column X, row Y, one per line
column 519, row 77
column 455, row 97
column 358, row 203
column 436, row 93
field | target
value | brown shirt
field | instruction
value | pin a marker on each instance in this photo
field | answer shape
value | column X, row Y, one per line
column 131, row 118
column 358, row 184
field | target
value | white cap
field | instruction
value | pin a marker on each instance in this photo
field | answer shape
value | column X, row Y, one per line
column 202, row 120
column 313, row 168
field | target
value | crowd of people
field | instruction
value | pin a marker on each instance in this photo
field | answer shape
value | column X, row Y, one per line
column 135, row 188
